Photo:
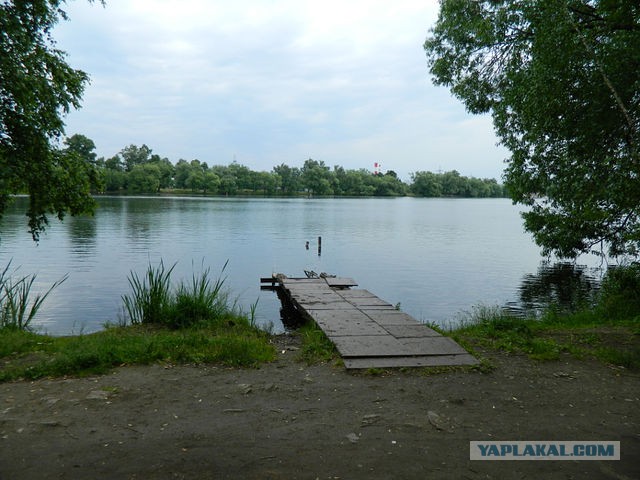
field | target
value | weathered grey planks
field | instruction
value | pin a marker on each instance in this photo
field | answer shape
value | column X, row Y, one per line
column 368, row 331
column 397, row 362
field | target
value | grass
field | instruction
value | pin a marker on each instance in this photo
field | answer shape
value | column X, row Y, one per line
column 609, row 330
column 196, row 323
column 150, row 296
column 582, row 334
column 26, row 355
column 316, row 347
column 192, row 323
column 18, row 306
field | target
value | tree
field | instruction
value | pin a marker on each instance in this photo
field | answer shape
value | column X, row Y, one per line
column 265, row 181
column 133, row 155
column 316, row 177
column 210, row 182
column 426, row 184
column 83, row 146
column 387, row 185
column 37, row 87
column 167, row 170
column 561, row 79
column 289, row 178
column 114, row 180
column 195, row 180
column 144, row 178
column 114, row 163
column 182, row 171
column 83, row 149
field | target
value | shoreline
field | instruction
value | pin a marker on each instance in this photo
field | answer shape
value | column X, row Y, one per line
column 287, row 419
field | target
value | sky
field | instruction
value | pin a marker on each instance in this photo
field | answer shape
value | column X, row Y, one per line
column 266, row 82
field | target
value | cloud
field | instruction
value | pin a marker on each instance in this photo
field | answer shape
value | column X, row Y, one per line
column 271, row 82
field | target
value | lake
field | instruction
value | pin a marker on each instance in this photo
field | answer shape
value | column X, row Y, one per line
column 436, row 258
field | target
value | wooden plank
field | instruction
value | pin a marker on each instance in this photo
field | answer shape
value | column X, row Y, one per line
column 363, row 300
column 410, row 331
column 398, row 362
column 340, row 282
column 292, row 280
column 306, row 287
column 360, row 292
column 325, row 305
column 386, row 317
column 343, row 323
column 368, row 331
column 315, row 297
column 388, row 346
column 369, row 303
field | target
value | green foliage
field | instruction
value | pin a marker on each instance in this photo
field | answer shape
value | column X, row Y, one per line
column 607, row 330
column 18, row 306
column 30, row 356
column 155, row 300
column 451, row 184
column 316, row 177
column 134, row 155
column 561, row 80
column 151, row 298
column 37, row 87
column 624, row 358
column 144, row 178
column 200, row 301
column 289, row 178
column 620, row 293
column 316, row 347
column 137, row 170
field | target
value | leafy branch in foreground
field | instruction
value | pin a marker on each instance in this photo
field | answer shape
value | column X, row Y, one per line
column 37, row 87
column 561, row 81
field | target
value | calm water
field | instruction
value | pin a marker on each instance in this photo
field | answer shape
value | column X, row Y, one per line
column 436, row 257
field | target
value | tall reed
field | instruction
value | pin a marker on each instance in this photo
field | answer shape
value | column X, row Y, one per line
column 154, row 300
column 18, row 306
column 151, row 295
column 199, row 301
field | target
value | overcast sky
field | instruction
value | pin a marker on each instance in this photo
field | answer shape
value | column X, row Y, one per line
column 270, row 82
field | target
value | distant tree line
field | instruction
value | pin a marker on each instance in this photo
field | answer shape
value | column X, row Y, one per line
column 138, row 170
column 452, row 184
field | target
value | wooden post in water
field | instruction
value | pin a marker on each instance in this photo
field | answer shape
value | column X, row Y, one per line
column 319, row 246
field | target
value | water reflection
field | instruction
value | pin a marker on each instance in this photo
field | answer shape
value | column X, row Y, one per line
column 82, row 234
column 564, row 285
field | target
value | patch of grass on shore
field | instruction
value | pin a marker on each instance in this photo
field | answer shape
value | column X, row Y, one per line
column 583, row 334
column 26, row 355
column 192, row 323
column 609, row 330
column 316, row 347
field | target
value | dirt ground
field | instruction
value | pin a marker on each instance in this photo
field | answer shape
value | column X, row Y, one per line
column 287, row 420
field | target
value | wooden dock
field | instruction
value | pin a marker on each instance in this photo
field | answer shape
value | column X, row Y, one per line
column 368, row 331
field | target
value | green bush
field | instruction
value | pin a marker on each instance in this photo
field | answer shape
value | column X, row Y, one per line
column 620, row 293
column 200, row 301
column 150, row 299
column 153, row 300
